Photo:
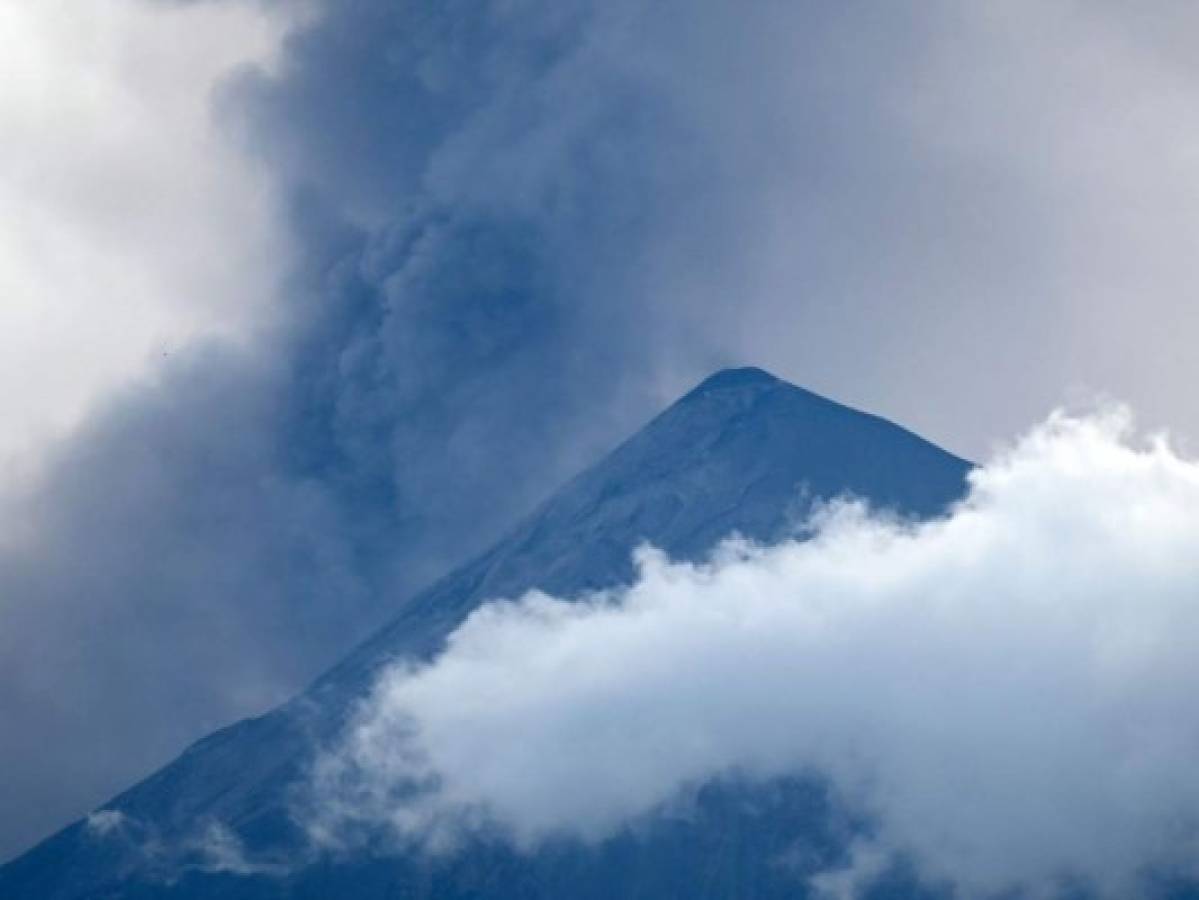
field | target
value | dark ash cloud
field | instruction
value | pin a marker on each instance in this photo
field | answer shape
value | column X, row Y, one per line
column 519, row 228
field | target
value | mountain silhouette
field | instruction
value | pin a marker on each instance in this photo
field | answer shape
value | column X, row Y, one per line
column 742, row 453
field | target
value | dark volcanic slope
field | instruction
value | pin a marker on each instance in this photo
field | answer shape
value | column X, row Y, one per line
column 742, row 452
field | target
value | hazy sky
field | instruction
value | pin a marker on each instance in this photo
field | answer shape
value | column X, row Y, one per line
column 303, row 302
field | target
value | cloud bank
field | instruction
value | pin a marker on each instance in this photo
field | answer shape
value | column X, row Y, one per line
column 140, row 253
column 504, row 234
column 1006, row 692
column 131, row 225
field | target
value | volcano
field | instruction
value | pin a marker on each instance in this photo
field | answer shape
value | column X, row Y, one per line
column 743, row 453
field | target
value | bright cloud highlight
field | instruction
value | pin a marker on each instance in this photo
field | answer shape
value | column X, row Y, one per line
column 131, row 224
column 1007, row 692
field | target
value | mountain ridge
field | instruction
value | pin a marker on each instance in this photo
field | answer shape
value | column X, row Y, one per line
column 742, row 452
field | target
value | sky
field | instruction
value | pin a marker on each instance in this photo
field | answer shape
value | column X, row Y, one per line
column 305, row 301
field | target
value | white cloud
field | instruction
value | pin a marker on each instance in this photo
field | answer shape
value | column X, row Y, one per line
column 865, row 862
column 128, row 226
column 1008, row 691
column 104, row 822
column 209, row 846
column 222, row 850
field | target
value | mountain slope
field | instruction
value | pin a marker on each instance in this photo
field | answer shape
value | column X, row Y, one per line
column 743, row 452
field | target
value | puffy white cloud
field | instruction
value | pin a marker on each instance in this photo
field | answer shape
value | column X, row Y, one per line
column 128, row 224
column 1007, row 691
